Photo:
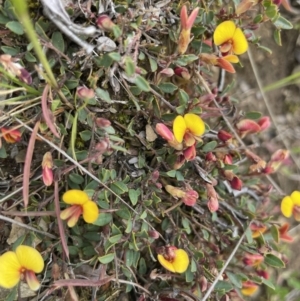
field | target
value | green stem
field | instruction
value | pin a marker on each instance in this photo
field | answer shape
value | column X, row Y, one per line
column 22, row 14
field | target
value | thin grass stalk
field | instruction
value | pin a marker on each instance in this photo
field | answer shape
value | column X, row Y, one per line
column 21, row 10
column 27, row 165
column 59, row 221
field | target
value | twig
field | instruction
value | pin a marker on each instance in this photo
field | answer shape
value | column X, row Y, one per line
column 224, row 267
column 12, row 221
column 268, row 107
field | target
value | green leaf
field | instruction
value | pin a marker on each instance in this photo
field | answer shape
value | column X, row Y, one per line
column 265, row 48
column 115, row 56
column 10, row 50
column 3, row 153
column 58, row 41
column 104, row 95
column 268, row 283
column 183, row 97
column 75, row 178
column 167, row 87
column 235, row 280
column 15, row 27
column 277, row 37
column 85, row 135
column 142, row 83
column 30, row 58
column 103, row 219
column 274, row 261
column 114, row 239
column 129, row 66
column 153, row 64
column 249, row 235
column 124, row 213
column 171, row 173
column 258, row 19
column 142, row 266
column 223, row 286
column 107, row 258
column 134, row 195
column 184, row 60
column 119, row 187
column 253, row 115
column 73, row 135
column 275, row 233
column 209, row 146
column 282, row 23
column 271, row 11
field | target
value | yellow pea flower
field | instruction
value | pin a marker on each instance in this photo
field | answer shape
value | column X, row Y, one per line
column 188, row 128
column 249, row 288
column 173, row 259
column 290, row 205
column 81, row 204
column 230, row 38
column 21, row 265
column 257, row 229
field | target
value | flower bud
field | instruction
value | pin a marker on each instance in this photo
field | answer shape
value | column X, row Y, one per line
column 190, row 197
column 167, row 72
column 264, row 123
column 164, row 132
column 224, row 136
column 175, row 192
column 247, row 126
column 253, row 260
column 213, row 203
column 182, row 72
column 276, row 160
column 190, row 153
column 203, row 283
column 179, row 162
column 236, row 183
column 210, row 157
column 47, row 165
column 85, row 93
column 105, row 23
column 102, row 122
column 227, row 159
column 153, row 234
column 263, row 273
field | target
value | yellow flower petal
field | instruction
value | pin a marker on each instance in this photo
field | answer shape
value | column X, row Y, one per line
column 224, row 32
column 75, row 197
column 194, row 124
column 240, row 44
column 287, row 205
column 181, row 261
column 231, row 58
column 10, row 270
column 179, row 128
column 295, row 196
column 165, row 263
column 30, row 259
column 90, row 212
column 249, row 291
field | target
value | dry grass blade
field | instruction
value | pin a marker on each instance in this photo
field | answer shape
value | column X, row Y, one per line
column 59, row 221
column 12, row 221
column 27, row 165
column 47, row 114
column 82, row 282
